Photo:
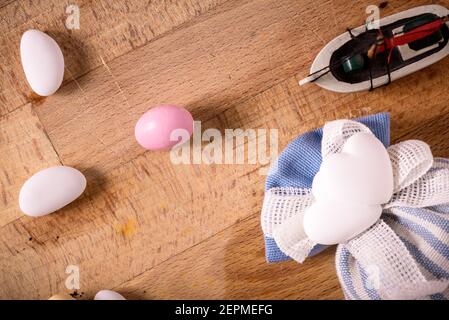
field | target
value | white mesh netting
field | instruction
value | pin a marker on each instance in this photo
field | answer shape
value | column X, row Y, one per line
column 399, row 275
column 336, row 133
column 427, row 188
column 410, row 160
column 292, row 240
column 280, row 204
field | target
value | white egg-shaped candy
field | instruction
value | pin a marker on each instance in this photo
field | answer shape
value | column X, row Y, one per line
column 51, row 189
column 42, row 62
column 61, row 296
column 108, row 295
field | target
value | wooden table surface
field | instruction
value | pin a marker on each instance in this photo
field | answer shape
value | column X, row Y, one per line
column 145, row 227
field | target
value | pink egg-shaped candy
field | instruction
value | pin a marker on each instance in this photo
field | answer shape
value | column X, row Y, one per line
column 154, row 129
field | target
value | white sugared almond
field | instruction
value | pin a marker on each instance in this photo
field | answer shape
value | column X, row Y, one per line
column 108, row 295
column 51, row 189
column 42, row 62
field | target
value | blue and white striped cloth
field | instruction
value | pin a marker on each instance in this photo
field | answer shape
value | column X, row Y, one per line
column 425, row 233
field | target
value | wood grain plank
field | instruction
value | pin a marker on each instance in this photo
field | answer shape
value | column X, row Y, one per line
column 207, row 66
column 232, row 265
column 229, row 56
column 108, row 29
column 24, row 149
column 164, row 216
column 5, row 2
